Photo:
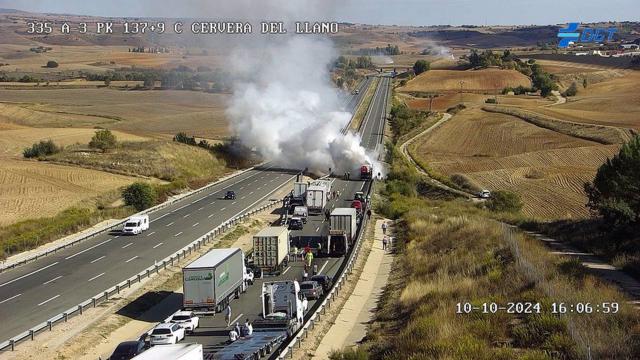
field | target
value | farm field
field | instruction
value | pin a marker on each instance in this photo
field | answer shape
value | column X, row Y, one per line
column 32, row 189
column 500, row 152
column 486, row 80
column 146, row 113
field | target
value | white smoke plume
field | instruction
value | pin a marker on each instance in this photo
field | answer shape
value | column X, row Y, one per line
column 286, row 108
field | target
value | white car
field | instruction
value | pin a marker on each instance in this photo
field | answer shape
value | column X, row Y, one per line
column 187, row 319
column 167, row 333
column 485, row 194
column 135, row 225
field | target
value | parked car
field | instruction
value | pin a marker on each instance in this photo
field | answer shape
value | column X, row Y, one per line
column 230, row 195
column 187, row 319
column 128, row 350
column 311, row 289
column 324, row 280
column 296, row 223
column 167, row 333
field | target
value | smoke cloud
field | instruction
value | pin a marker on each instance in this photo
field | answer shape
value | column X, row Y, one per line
column 285, row 107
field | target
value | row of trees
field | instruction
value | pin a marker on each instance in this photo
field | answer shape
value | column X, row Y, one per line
column 361, row 62
column 387, row 50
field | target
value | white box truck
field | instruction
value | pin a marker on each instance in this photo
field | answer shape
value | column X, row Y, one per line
column 271, row 248
column 136, row 225
column 317, row 198
column 184, row 351
column 211, row 280
column 299, row 188
column 342, row 231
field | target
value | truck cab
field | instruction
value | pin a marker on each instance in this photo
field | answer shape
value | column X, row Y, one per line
column 135, row 225
column 301, row 212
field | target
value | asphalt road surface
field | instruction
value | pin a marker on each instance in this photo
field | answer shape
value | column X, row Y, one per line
column 213, row 332
column 37, row 291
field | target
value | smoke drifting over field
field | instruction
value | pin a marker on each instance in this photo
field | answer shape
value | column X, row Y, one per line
column 285, row 107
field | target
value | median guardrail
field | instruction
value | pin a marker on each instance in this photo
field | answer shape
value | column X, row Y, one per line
column 119, row 224
column 154, row 269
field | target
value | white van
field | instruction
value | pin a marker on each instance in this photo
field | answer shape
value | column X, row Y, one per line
column 136, row 225
column 302, row 212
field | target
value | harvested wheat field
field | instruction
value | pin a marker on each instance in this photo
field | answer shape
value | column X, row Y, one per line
column 31, row 189
column 501, row 152
column 13, row 141
column 161, row 112
column 486, row 80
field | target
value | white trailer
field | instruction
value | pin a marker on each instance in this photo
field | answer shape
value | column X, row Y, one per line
column 136, row 225
column 342, row 230
column 299, row 189
column 183, row 351
column 212, row 279
column 271, row 248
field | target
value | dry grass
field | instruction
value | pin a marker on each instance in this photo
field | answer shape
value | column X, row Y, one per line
column 500, row 152
column 161, row 112
column 31, row 189
column 486, row 80
column 356, row 122
column 453, row 254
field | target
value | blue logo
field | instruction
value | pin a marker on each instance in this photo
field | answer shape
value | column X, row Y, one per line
column 571, row 34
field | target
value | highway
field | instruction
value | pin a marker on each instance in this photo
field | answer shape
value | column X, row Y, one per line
column 35, row 292
column 213, row 331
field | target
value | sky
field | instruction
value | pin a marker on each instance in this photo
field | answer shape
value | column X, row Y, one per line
column 387, row 12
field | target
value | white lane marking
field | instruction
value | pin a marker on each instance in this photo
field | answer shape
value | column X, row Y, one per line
column 322, row 268
column 209, row 217
column 318, row 229
column 133, row 258
column 98, row 259
column 46, row 301
column 117, row 236
column 158, row 218
column 95, row 277
column 242, row 198
column 11, row 298
column 29, row 274
column 200, row 208
column 236, row 319
column 178, row 234
column 126, row 246
column 223, row 209
column 160, row 244
column 186, row 216
column 242, row 188
column 285, row 270
column 251, row 193
column 180, row 208
column 259, row 188
column 196, row 224
column 169, row 224
column 52, row 280
column 211, row 203
column 233, row 203
column 151, row 233
column 271, row 180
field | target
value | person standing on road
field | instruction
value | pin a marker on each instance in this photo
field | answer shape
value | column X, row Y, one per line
column 309, row 259
column 384, row 228
column 384, row 243
column 227, row 315
column 368, row 213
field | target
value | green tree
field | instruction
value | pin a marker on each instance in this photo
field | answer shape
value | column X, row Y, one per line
column 52, row 64
column 615, row 190
column 139, row 195
column 421, row 66
column 103, row 140
column 41, row 148
column 572, row 90
column 506, row 201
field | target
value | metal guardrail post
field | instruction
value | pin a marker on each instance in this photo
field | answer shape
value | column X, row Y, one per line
column 49, row 324
column 79, row 310
column 93, row 301
column 31, row 334
column 106, row 296
column 12, row 343
column 66, row 317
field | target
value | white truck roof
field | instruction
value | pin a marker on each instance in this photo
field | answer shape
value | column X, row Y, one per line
column 272, row 231
column 212, row 258
column 139, row 217
column 344, row 211
column 175, row 351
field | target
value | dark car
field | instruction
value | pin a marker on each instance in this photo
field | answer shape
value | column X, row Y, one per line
column 311, row 289
column 296, row 224
column 325, row 281
column 230, row 195
column 128, row 350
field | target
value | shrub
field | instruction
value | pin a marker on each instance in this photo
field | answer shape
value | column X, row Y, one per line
column 572, row 90
column 455, row 109
column 491, row 101
column 139, row 195
column 349, row 354
column 42, row 148
column 504, row 201
column 103, row 140
column 421, row 66
column 52, row 64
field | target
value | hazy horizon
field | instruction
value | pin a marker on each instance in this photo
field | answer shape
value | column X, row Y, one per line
column 374, row 12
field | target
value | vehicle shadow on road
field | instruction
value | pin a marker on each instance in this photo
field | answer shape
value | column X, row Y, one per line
column 153, row 306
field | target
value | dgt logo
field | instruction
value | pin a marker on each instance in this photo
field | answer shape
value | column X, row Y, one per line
column 570, row 33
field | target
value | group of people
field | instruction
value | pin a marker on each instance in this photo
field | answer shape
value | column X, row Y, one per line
column 239, row 331
column 386, row 240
